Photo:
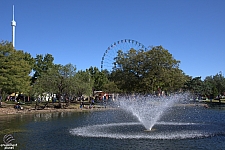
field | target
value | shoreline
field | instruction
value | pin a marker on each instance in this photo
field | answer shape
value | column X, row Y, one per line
column 12, row 111
column 9, row 110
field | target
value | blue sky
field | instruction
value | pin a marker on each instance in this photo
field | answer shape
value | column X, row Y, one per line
column 80, row 31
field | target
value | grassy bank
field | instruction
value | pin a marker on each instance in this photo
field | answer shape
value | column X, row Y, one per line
column 7, row 108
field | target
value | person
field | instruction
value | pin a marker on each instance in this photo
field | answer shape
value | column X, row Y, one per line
column 90, row 106
column 81, row 104
column 0, row 101
column 17, row 106
column 104, row 103
column 92, row 102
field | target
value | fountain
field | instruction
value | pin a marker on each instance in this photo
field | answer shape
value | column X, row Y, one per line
column 148, row 109
column 159, row 116
column 173, row 126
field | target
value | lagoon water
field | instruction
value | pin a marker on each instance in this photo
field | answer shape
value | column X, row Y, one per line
column 190, row 127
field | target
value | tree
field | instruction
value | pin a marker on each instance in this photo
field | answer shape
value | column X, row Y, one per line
column 208, row 87
column 83, row 83
column 57, row 79
column 214, row 85
column 99, row 78
column 146, row 71
column 163, row 70
column 15, row 67
column 219, row 83
column 195, row 86
column 128, row 71
column 41, row 65
column 110, row 87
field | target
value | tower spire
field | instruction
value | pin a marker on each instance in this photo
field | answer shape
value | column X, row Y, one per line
column 13, row 12
column 13, row 24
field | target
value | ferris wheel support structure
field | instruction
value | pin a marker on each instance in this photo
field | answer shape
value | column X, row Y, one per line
column 111, row 52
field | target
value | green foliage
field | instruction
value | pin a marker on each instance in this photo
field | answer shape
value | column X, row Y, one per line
column 214, row 85
column 134, row 71
column 99, row 78
column 219, row 83
column 56, row 79
column 65, row 81
column 83, row 83
column 195, row 85
column 41, row 65
column 110, row 87
column 140, row 71
column 15, row 67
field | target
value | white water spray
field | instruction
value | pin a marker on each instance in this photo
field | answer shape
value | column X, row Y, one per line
column 148, row 109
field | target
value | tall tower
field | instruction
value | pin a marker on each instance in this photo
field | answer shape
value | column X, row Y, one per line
column 13, row 23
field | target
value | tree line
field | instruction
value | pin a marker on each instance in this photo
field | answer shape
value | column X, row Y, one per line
column 135, row 71
column 156, row 69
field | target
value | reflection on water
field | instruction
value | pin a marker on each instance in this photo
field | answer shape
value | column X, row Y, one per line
column 181, row 128
column 49, row 116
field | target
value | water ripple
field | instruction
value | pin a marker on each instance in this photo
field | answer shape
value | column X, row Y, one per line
column 134, row 130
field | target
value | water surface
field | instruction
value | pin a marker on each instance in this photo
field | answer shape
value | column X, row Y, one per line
column 180, row 128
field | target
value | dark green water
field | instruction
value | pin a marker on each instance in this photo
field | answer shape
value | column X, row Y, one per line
column 181, row 128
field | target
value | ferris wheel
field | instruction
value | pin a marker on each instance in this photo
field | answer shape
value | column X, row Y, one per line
column 111, row 52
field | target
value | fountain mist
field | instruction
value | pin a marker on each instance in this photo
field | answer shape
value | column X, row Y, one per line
column 148, row 109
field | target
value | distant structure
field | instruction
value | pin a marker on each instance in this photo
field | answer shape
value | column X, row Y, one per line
column 13, row 23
